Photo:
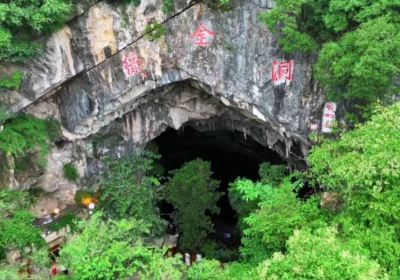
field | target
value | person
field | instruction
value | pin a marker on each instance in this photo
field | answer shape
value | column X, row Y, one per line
column 53, row 271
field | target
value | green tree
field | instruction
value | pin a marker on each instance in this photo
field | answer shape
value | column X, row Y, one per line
column 280, row 214
column 109, row 250
column 193, row 194
column 19, row 18
column 129, row 191
column 320, row 255
column 358, row 43
column 363, row 167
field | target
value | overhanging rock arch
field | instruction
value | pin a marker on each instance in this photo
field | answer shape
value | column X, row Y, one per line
column 187, row 104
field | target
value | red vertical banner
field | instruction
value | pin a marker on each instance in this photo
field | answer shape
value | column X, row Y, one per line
column 328, row 117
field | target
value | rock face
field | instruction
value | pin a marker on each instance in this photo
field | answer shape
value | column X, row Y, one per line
column 211, row 68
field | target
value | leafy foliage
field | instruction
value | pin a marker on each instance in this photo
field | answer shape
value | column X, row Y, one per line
column 280, row 214
column 193, row 194
column 128, row 191
column 320, row 255
column 11, row 201
column 18, row 232
column 154, row 31
column 272, row 174
column 103, row 249
column 69, row 219
column 358, row 43
column 25, row 16
column 363, row 166
column 12, row 82
column 70, row 172
column 206, row 270
column 245, row 197
column 19, row 19
column 25, row 134
column 363, row 63
column 110, row 250
column 168, row 6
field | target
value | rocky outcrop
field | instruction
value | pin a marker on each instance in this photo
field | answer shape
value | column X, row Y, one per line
column 100, row 71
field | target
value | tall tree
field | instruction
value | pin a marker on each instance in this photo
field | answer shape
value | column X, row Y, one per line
column 192, row 191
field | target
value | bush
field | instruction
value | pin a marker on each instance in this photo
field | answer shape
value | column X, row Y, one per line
column 69, row 219
column 18, row 232
column 12, row 82
column 111, row 250
column 128, row 190
column 280, row 214
column 320, row 255
column 26, row 134
column 70, row 172
column 206, row 270
column 12, row 201
column 272, row 174
column 154, row 31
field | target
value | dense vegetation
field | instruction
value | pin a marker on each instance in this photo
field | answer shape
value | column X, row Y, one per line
column 347, row 228
column 283, row 236
column 357, row 42
column 20, row 22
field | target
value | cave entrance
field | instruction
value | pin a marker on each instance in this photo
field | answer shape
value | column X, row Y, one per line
column 231, row 153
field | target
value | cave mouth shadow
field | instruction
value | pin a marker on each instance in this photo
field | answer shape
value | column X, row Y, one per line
column 231, row 153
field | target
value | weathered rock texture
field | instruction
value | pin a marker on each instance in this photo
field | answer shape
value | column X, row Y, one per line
column 79, row 79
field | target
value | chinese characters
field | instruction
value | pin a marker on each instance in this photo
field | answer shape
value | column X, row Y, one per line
column 132, row 65
column 282, row 72
column 328, row 117
column 202, row 37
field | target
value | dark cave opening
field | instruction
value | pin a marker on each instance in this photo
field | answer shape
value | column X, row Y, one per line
column 232, row 155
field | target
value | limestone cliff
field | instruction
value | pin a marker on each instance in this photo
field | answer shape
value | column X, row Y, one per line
column 212, row 68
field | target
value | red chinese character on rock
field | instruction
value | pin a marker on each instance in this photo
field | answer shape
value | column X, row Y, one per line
column 202, row 36
column 330, row 106
column 132, row 65
column 282, row 72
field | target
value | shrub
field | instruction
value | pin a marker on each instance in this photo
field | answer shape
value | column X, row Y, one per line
column 70, row 172
column 272, row 174
column 154, row 31
column 12, row 82
column 280, row 214
column 26, row 134
column 18, row 232
column 128, row 190
column 168, row 6
column 320, row 255
column 358, row 44
column 69, row 219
